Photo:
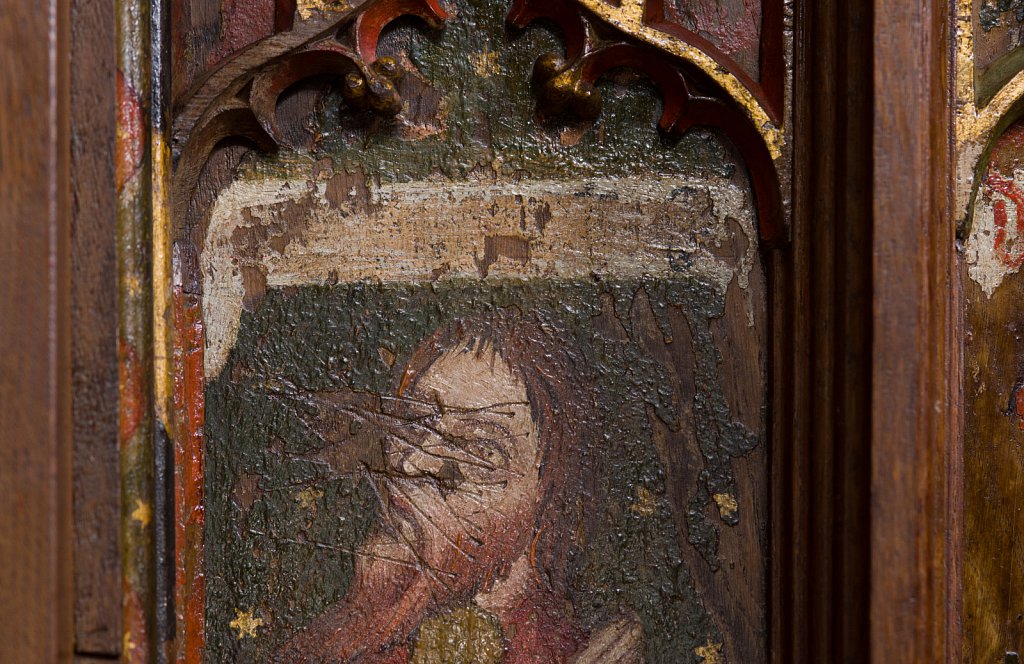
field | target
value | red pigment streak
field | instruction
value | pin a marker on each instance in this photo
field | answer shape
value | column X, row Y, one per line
column 1018, row 404
column 189, row 383
column 136, row 644
column 132, row 399
column 407, row 377
column 1010, row 143
column 996, row 182
column 129, row 132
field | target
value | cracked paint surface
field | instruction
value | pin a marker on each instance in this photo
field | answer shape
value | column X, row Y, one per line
column 631, row 266
column 633, row 337
column 995, row 246
column 289, row 232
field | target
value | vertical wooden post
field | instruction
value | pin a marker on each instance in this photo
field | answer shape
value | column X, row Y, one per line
column 35, row 479
column 825, row 517
column 97, row 522
column 915, row 346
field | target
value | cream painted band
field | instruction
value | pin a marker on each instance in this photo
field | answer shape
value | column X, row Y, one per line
column 289, row 231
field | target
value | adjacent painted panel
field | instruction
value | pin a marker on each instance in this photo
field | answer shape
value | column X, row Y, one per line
column 994, row 419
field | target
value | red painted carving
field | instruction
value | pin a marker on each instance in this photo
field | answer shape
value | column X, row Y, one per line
column 377, row 16
column 240, row 99
column 567, row 85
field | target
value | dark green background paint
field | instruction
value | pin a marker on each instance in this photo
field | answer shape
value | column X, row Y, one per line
column 289, row 564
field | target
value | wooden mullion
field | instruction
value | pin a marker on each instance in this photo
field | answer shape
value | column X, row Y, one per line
column 914, row 416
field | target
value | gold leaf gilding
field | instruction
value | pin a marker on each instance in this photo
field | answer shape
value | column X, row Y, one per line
column 644, row 504
column 485, row 63
column 142, row 513
column 307, row 498
column 727, row 505
column 464, row 635
column 245, row 623
column 127, row 644
column 710, row 652
column 307, row 8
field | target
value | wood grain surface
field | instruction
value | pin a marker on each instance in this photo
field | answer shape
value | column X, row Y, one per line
column 994, row 471
column 35, row 482
column 915, row 405
column 97, row 559
column 208, row 32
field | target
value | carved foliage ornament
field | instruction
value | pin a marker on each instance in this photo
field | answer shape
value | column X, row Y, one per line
column 240, row 99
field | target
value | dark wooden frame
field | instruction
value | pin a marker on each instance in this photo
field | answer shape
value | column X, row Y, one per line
column 35, row 333
column 868, row 386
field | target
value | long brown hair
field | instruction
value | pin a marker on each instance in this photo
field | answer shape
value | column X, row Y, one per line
column 564, row 411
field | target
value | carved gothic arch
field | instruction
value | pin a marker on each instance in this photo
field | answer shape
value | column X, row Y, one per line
column 239, row 99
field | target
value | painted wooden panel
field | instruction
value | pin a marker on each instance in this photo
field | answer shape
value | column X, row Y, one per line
column 462, row 374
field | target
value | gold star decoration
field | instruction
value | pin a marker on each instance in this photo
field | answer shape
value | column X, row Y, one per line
column 142, row 513
column 644, row 504
column 710, row 652
column 245, row 623
column 727, row 505
column 307, row 498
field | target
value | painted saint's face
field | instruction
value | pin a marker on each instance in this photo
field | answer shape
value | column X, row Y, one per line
column 466, row 467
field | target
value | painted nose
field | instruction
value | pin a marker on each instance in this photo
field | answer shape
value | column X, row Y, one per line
column 412, row 460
